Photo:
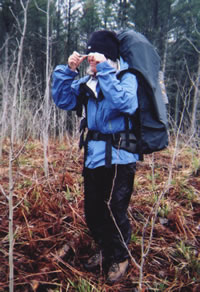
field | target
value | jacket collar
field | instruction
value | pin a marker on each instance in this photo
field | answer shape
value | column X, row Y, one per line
column 123, row 65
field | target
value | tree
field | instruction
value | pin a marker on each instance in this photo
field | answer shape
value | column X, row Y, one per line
column 123, row 13
column 183, row 66
column 7, row 21
column 12, row 140
column 152, row 18
column 108, row 11
column 90, row 19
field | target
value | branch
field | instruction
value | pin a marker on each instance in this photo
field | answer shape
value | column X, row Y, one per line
column 25, row 196
column 43, row 11
column 16, row 19
column 192, row 44
column 5, row 43
column 195, row 26
column 3, row 192
column 22, row 4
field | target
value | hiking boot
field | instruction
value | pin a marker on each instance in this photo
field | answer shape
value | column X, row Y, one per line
column 94, row 262
column 117, row 271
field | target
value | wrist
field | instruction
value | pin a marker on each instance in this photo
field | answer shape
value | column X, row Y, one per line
column 72, row 68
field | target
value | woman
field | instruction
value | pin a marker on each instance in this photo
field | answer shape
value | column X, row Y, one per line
column 109, row 92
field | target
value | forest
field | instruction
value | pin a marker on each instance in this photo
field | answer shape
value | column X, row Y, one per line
column 43, row 235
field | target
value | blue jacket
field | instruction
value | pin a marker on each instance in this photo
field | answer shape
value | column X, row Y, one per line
column 103, row 115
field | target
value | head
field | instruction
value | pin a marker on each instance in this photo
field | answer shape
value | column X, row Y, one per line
column 104, row 42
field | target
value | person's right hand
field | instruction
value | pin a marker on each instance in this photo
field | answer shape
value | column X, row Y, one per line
column 75, row 60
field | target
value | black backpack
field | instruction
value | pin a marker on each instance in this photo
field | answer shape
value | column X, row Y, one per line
column 151, row 117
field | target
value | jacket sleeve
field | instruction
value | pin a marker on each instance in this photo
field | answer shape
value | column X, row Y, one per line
column 121, row 94
column 64, row 88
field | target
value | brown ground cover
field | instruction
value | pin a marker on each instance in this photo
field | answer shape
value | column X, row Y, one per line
column 51, row 237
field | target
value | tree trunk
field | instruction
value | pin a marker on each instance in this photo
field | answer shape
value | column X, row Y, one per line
column 195, row 99
column 12, row 139
column 46, row 113
column 122, row 15
column 4, row 97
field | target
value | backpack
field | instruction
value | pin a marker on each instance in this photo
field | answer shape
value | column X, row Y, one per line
column 151, row 117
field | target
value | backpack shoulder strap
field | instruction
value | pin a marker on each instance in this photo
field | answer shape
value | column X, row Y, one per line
column 82, row 100
column 135, row 118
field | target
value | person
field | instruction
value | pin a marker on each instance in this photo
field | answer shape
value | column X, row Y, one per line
column 109, row 92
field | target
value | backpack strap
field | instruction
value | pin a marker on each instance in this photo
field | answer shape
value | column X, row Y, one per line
column 83, row 126
column 127, row 130
column 82, row 100
column 135, row 118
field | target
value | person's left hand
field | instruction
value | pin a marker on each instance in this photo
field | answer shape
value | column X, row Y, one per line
column 96, row 57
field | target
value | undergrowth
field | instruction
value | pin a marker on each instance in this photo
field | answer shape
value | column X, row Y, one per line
column 51, row 237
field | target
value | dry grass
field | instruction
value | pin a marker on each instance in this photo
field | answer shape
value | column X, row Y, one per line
column 51, row 237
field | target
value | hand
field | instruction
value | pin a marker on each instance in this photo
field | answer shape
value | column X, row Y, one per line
column 96, row 57
column 75, row 60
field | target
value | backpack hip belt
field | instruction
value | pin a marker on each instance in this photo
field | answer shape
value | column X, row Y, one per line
column 118, row 140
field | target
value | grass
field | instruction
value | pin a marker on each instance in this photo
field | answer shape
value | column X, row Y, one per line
column 50, row 215
column 83, row 285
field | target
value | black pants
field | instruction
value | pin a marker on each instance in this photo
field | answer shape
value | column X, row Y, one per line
column 100, row 184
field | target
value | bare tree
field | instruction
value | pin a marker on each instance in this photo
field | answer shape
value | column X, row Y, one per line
column 4, row 77
column 196, row 97
column 12, row 140
column 46, row 110
column 196, row 85
column 47, row 93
